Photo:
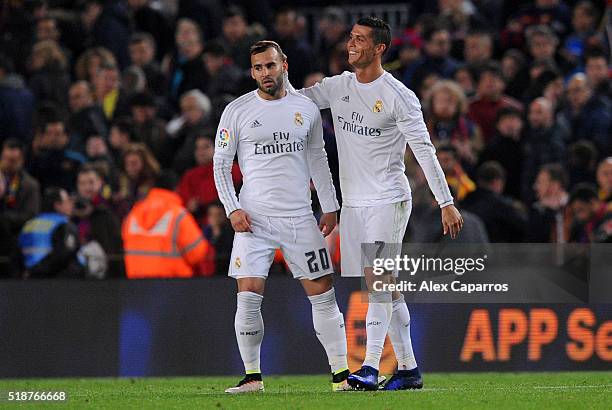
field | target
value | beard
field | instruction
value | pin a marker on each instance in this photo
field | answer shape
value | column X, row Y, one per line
column 272, row 89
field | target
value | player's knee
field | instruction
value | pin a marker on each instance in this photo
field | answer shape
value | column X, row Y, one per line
column 254, row 285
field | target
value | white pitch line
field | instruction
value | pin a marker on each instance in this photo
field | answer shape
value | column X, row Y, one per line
column 575, row 387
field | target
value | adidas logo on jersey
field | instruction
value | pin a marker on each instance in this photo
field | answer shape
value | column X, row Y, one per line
column 255, row 124
column 345, row 98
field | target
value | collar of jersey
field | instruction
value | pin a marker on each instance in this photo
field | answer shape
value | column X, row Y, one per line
column 279, row 101
column 371, row 83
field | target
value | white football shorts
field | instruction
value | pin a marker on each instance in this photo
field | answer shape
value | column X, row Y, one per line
column 302, row 244
column 371, row 232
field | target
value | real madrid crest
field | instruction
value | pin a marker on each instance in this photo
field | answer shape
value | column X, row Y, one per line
column 378, row 106
column 237, row 263
column 298, row 120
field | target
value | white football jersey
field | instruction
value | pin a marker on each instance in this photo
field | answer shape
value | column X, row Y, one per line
column 280, row 147
column 373, row 122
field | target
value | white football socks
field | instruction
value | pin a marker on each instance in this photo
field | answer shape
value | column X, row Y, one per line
column 329, row 327
column 377, row 325
column 399, row 332
column 249, row 329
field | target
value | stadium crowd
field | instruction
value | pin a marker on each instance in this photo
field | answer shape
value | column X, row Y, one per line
column 99, row 100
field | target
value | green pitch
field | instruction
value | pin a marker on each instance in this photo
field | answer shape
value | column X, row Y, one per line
column 445, row 391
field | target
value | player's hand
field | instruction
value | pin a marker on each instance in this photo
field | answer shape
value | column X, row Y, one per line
column 328, row 223
column 241, row 221
column 452, row 221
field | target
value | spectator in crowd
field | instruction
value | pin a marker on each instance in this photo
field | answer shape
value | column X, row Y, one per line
column 592, row 217
column 503, row 220
column 464, row 76
column 489, row 99
column 148, row 128
column 145, row 18
column 604, row 179
column 459, row 19
column 447, row 121
column 142, row 55
column 478, row 48
column 506, row 148
column 98, row 156
column 89, row 63
column 53, row 163
column 161, row 238
column 49, row 242
column 334, row 33
column 47, row 29
column 197, row 186
column 581, row 162
column 221, row 77
column 512, row 64
column 423, row 226
column 185, row 69
column 236, row 38
column 458, row 181
column 120, row 137
column 108, row 25
column 544, row 142
column 589, row 115
column 436, row 59
column 107, row 86
column 542, row 45
column 550, row 216
column 86, row 117
column 21, row 193
column 96, row 222
column 49, row 77
column 299, row 52
column 583, row 35
column 220, row 236
column 138, row 172
column 598, row 73
column 195, row 115
column 554, row 13
column 17, row 102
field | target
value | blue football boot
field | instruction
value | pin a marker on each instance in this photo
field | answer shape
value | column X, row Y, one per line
column 404, row 380
column 365, row 378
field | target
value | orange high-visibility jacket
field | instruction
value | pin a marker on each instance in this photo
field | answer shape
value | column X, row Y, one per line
column 161, row 238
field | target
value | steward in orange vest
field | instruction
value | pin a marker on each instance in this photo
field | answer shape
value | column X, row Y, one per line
column 161, row 238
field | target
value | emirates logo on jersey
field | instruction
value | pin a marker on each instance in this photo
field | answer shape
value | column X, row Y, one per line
column 298, row 120
column 378, row 106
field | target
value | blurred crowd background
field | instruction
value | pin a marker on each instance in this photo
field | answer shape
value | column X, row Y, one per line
column 99, row 100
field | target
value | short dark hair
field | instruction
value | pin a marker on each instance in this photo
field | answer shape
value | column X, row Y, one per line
column 491, row 67
column 583, row 192
column 13, row 143
column 508, row 112
column 595, row 52
column 142, row 37
column 381, row 31
column 125, row 126
column 556, row 172
column 263, row 45
column 142, row 99
column 490, row 171
column 51, row 196
column 49, row 113
column 215, row 48
column 91, row 167
column 234, row 11
column 167, row 179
